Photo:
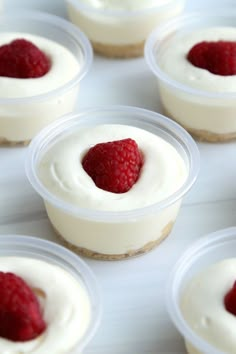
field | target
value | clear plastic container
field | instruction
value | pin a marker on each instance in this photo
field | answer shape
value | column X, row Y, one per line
column 208, row 250
column 207, row 115
column 110, row 234
column 22, row 118
column 32, row 247
column 120, row 32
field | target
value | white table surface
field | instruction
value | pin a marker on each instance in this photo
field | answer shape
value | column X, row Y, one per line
column 135, row 320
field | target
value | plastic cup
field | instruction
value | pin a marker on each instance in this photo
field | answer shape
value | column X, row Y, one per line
column 113, row 235
column 32, row 247
column 207, row 115
column 208, row 250
column 117, row 32
column 22, row 118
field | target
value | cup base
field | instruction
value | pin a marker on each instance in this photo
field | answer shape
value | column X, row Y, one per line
column 119, row 51
column 204, row 135
column 116, row 257
column 6, row 142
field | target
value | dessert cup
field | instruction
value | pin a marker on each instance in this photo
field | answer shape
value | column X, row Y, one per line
column 119, row 32
column 28, row 247
column 22, row 117
column 208, row 250
column 209, row 115
column 113, row 235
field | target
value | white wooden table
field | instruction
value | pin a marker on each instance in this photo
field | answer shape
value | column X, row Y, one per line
column 135, row 320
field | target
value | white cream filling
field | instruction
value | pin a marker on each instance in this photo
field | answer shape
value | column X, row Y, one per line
column 66, row 308
column 129, row 5
column 105, row 22
column 173, row 61
column 61, row 171
column 202, row 305
column 64, row 67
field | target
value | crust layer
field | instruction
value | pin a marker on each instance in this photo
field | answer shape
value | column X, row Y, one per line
column 204, row 135
column 115, row 257
column 119, row 51
column 5, row 142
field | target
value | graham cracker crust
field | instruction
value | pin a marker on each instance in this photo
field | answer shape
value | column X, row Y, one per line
column 204, row 135
column 5, row 142
column 119, row 51
column 116, row 257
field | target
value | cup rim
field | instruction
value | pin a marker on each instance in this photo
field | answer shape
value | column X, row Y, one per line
column 79, row 5
column 174, row 129
column 174, row 281
column 34, row 247
column 72, row 30
column 163, row 30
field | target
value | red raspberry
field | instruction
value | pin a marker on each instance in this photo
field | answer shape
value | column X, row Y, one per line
column 230, row 300
column 20, row 314
column 217, row 57
column 114, row 166
column 22, row 59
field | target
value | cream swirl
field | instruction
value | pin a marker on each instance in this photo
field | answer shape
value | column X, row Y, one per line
column 64, row 67
column 203, row 307
column 173, row 60
column 61, row 171
column 66, row 307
